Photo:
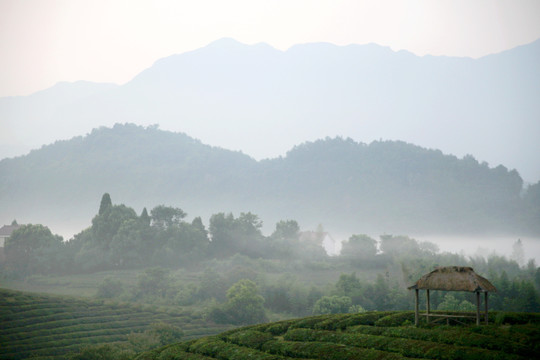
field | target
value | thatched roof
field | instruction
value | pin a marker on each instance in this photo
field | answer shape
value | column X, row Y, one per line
column 454, row 278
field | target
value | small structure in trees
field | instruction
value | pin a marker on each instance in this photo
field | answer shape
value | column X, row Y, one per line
column 453, row 278
column 6, row 230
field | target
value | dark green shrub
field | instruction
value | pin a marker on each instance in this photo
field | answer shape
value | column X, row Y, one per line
column 367, row 318
column 277, row 328
column 250, row 338
column 324, row 350
column 310, row 322
column 216, row 348
column 405, row 347
column 396, row 319
column 514, row 318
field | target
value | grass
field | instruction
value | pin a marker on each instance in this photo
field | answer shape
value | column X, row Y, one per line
column 72, row 285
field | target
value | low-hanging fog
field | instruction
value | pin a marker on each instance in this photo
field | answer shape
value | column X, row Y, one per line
column 468, row 245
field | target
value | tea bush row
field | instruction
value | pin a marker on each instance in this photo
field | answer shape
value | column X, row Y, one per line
column 405, row 347
column 449, row 335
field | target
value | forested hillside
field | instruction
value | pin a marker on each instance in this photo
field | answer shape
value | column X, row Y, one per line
column 385, row 186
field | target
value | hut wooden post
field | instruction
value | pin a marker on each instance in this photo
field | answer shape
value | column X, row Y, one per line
column 486, row 305
column 416, row 307
column 427, row 305
column 453, row 278
column 478, row 308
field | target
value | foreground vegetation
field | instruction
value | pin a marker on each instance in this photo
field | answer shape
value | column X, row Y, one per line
column 371, row 335
column 45, row 326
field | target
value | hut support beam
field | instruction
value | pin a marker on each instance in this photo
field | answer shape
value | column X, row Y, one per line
column 416, row 307
column 427, row 306
column 486, row 306
column 478, row 308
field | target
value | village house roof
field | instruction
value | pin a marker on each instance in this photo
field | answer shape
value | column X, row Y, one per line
column 454, row 278
column 6, row 230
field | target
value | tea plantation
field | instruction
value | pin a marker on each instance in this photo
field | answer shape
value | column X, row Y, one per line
column 372, row 335
column 46, row 326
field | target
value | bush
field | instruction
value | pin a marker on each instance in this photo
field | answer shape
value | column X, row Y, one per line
column 250, row 338
column 332, row 305
column 395, row 319
column 109, row 288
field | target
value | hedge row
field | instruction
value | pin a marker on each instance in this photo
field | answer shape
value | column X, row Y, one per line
column 217, row 348
column 49, row 326
column 405, row 347
column 324, row 350
column 452, row 336
column 67, row 319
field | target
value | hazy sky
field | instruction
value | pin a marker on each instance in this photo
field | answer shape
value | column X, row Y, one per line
column 43, row 42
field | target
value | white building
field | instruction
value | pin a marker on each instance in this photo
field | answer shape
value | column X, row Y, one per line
column 5, row 232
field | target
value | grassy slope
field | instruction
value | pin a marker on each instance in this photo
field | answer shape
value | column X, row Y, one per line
column 71, row 285
column 373, row 335
column 46, row 325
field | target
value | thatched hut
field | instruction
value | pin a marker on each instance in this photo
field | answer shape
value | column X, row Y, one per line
column 453, row 278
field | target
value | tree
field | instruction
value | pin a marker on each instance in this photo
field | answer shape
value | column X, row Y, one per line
column 244, row 303
column 350, row 286
column 105, row 203
column 31, row 249
column 450, row 303
column 159, row 334
column 332, row 305
column 359, row 248
column 286, row 230
column 380, row 294
column 133, row 244
column 284, row 241
column 145, row 218
column 106, row 225
column 109, row 288
column 164, row 217
column 399, row 245
column 211, row 286
column 166, row 333
column 236, row 236
column 518, row 255
column 154, row 282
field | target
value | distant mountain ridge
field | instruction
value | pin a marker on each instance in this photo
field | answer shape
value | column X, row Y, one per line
column 350, row 187
column 265, row 101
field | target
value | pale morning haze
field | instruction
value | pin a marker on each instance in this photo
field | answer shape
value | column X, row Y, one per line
column 43, row 42
column 321, row 171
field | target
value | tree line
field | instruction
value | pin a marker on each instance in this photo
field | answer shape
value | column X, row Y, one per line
column 237, row 267
column 119, row 238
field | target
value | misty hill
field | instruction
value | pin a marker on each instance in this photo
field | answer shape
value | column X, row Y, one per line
column 265, row 101
column 349, row 187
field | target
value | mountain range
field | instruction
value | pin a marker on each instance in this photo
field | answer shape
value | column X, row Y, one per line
column 263, row 101
column 347, row 186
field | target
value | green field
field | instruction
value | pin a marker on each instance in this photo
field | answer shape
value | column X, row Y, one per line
column 50, row 326
column 371, row 335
